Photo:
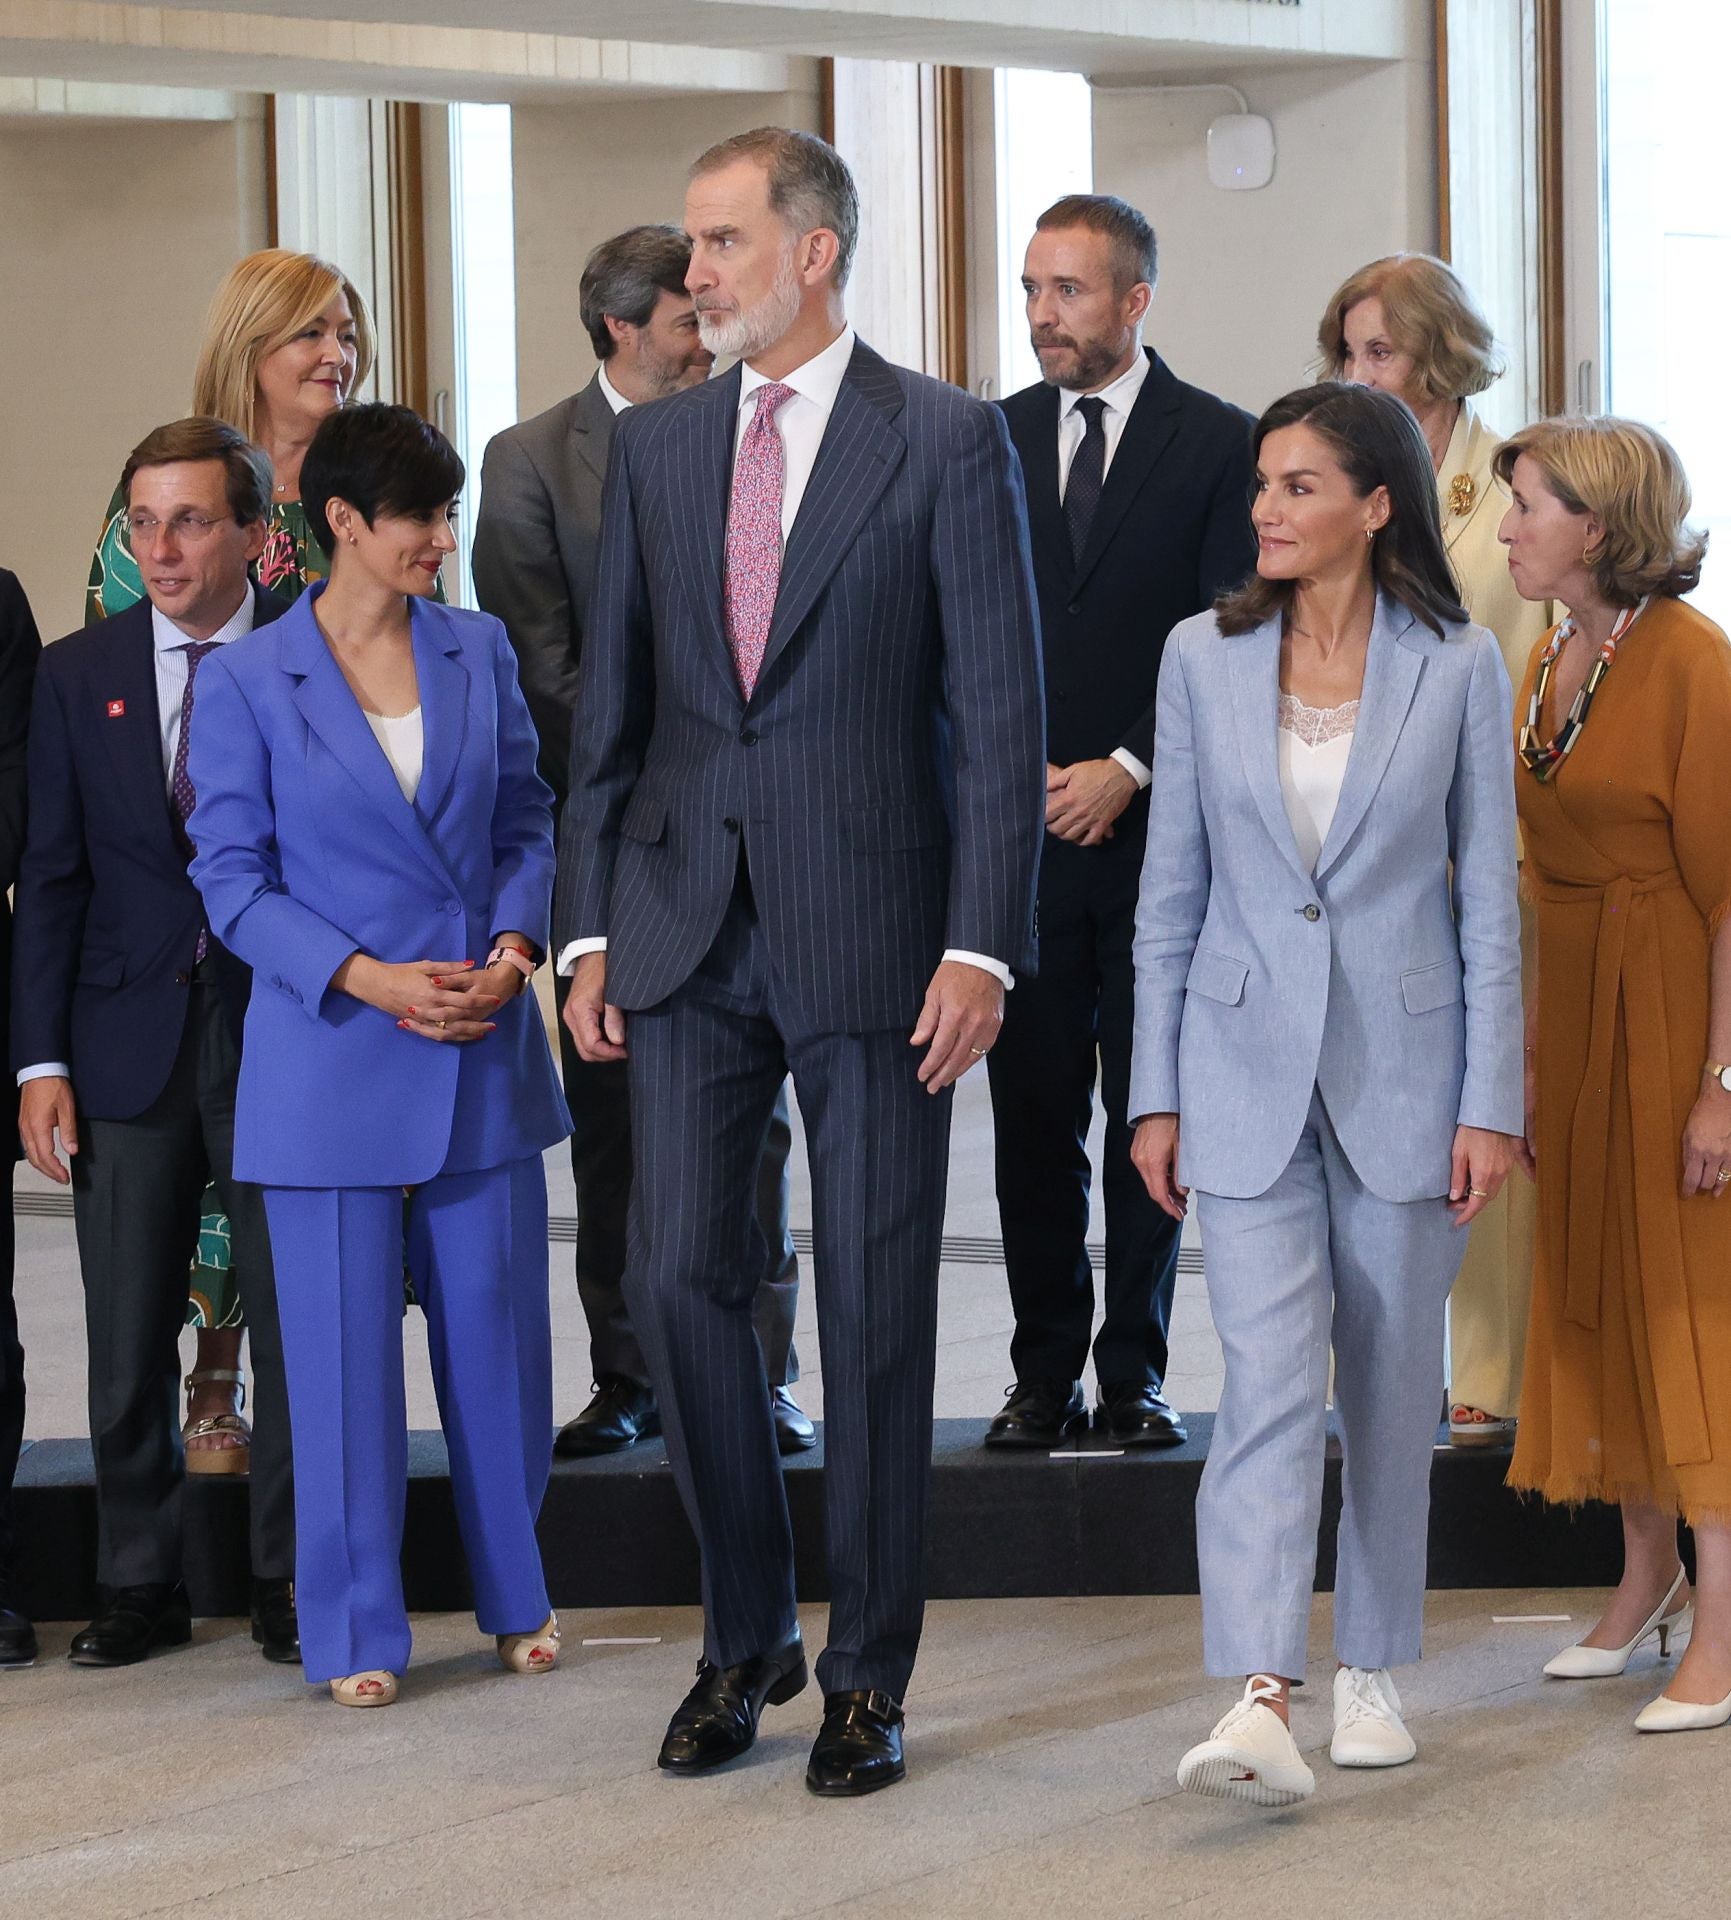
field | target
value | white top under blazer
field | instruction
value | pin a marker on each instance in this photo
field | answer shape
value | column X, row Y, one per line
column 1315, row 744
column 404, row 743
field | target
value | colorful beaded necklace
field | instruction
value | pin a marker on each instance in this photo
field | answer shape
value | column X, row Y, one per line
column 1543, row 757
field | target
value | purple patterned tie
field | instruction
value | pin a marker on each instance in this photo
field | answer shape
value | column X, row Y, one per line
column 753, row 572
column 180, row 785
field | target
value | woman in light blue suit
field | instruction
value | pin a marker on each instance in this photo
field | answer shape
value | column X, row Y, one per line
column 369, row 824
column 1328, row 1047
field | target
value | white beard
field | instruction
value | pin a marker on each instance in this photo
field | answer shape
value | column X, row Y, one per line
column 753, row 330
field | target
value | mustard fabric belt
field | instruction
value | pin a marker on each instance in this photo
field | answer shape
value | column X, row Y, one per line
column 1628, row 943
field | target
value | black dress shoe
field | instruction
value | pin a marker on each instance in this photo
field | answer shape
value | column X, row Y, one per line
column 622, row 1413
column 860, row 1747
column 17, row 1635
column 717, row 1720
column 132, row 1622
column 794, row 1433
column 1136, row 1414
column 1040, row 1413
column 275, row 1625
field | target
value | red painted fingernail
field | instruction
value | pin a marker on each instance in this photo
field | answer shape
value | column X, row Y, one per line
column 414, row 1009
column 402, row 1023
column 437, row 982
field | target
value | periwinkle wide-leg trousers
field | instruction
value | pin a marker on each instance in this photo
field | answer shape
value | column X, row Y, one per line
column 477, row 1249
column 1319, row 1256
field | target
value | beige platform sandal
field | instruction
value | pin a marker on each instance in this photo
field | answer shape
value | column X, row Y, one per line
column 536, row 1652
column 374, row 1689
column 234, row 1458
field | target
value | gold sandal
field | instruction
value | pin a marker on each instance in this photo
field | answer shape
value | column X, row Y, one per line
column 536, row 1652
column 227, row 1459
column 373, row 1689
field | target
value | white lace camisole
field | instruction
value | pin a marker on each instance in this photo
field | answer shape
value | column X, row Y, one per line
column 404, row 744
column 1315, row 744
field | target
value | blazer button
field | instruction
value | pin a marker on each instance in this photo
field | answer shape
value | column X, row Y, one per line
column 183, row 979
column 731, row 825
column 749, row 737
column 453, row 906
column 1075, row 606
column 1313, row 913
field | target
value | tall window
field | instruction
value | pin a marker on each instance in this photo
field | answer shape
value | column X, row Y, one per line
column 1667, row 226
column 483, row 264
column 1045, row 149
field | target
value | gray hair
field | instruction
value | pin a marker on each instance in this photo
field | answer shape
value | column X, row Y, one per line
column 809, row 183
column 625, row 276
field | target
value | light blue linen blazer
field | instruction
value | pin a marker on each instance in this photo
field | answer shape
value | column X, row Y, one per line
column 307, row 851
column 1390, row 979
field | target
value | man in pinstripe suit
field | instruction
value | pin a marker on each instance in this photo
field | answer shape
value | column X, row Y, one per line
column 807, row 799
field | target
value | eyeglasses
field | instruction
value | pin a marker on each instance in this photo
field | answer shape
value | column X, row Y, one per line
column 187, row 529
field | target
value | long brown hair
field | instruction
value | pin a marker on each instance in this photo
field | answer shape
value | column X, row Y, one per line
column 1378, row 444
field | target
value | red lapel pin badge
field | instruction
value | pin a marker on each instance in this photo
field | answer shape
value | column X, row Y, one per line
column 117, row 709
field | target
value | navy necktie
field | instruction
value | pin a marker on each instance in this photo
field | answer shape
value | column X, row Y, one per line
column 181, row 795
column 1087, row 475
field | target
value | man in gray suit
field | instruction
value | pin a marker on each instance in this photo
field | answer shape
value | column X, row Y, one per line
column 534, row 566
column 807, row 799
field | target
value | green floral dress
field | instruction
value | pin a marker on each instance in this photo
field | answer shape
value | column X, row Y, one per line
column 292, row 560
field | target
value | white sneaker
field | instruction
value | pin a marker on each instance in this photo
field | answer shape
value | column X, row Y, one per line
column 1250, row 1756
column 1368, row 1729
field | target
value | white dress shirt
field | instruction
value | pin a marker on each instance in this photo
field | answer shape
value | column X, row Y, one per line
column 609, row 392
column 801, row 422
column 171, row 673
column 1119, row 397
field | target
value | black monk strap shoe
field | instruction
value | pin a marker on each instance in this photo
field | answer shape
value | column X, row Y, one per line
column 1040, row 1413
column 17, row 1635
column 275, row 1625
column 794, row 1432
column 717, row 1720
column 859, row 1749
column 1136, row 1414
column 131, row 1623
column 622, row 1412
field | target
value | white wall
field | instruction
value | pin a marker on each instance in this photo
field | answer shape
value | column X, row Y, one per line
column 583, row 173
column 114, row 237
column 1244, row 276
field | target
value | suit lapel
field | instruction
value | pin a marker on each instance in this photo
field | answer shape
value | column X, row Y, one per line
column 1147, row 434
column 444, row 690
column 861, row 449
column 1391, row 675
column 133, row 736
column 328, row 705
column 1255, row 658
column 1468, row 459
column 1039, row 456
column 700, row 463
column 592, row 428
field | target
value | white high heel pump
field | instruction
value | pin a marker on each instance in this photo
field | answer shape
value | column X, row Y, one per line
column 1600, row 1663
column 1666, row 1715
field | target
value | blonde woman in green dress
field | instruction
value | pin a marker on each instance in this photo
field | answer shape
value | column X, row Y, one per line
column 288, row 340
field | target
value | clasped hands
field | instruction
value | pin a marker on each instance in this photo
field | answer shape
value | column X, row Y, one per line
column 448, row 1001
column 1083, row 800
column 963, row 1010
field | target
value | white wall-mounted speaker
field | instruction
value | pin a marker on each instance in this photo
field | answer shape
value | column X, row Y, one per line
column 1241, row 151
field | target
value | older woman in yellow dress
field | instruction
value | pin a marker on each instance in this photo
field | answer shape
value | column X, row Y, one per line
column 1408, row 325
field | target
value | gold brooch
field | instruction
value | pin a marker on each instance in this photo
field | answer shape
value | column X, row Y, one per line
column 1462, row 494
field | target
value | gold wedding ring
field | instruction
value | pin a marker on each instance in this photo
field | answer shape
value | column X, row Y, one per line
column 1478, row 1193
column 979, row 1053
column 1722, row 1176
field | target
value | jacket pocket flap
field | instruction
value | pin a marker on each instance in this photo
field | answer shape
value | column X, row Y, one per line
column 1217, row 976
column 891, row 829
column 1425, row 989
column 101, row 969
column 645, row 819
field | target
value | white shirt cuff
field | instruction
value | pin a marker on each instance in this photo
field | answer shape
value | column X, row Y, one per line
column 995, row 968
column 1137, row 771
column 49, row 1070
column 574, row 950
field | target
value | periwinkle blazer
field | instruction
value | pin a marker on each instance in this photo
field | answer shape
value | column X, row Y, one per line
column 307, row 851
column 1391, row 978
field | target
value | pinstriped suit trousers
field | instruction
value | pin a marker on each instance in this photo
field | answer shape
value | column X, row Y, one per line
column 1320, row 1257
column 706, row 1065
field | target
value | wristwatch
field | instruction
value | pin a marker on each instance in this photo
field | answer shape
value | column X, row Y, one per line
column 1720, row 1073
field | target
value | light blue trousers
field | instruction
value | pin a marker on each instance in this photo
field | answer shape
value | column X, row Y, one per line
column 1320, row 1257
column 477, row 1248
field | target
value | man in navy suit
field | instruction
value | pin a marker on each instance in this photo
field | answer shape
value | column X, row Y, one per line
column 1139, row 503
column 805, row 813
column 126, row 1022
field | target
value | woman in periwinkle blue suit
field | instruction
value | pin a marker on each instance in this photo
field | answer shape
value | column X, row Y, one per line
column 369, row 826
column 1328, row 1048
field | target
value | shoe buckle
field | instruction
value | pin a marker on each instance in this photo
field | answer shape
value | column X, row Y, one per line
column 883, row 1705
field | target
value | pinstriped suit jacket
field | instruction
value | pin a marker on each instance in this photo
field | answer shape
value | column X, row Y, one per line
column 887, row 776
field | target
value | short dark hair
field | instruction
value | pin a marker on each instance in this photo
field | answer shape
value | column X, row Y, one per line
column 625, row 276
column 380, row 459
column 1135, row 253
column 809, row 183
column 1379, row 444
column 246, row 468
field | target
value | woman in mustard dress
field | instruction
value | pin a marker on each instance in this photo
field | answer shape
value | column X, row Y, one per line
column 287, row 341
column 1624, row 791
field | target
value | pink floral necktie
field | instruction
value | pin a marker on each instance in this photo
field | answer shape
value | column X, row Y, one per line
column 753, row 572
